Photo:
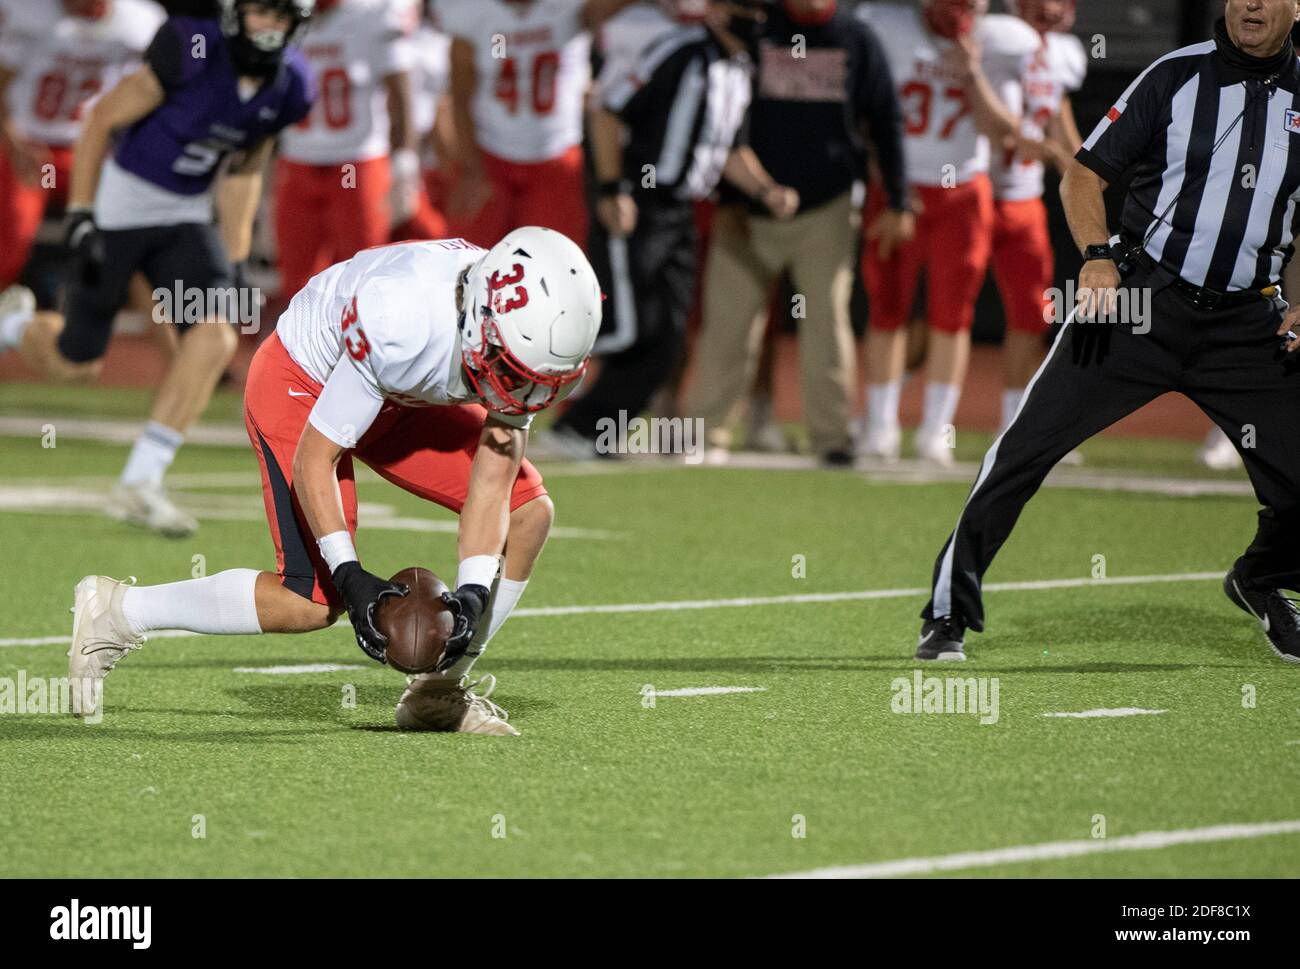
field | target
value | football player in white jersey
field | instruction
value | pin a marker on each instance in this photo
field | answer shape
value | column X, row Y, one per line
column 425, row 361
column 520, row 70
column 54, row 58
column 431, row 118
column 349, row 171
column 948, row 59
column 1023, row 262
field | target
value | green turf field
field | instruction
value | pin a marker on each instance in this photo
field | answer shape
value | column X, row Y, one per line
column 283, row 778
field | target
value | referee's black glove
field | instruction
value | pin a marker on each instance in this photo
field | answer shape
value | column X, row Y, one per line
column 81, row 237
column 1090, row 340
column 362, row 593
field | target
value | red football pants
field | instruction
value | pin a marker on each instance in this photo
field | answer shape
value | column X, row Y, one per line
column 22, row 206
column 1023, row 265
column 954, row 235
column 325, row 214
column 427, row 451
column 551, row 194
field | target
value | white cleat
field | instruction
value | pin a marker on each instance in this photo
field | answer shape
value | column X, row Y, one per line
column 100, row 637
column 451, row 706
column 881, row 444
column 17, row 302
column 933, row 449
column 1217, row 453
column 149, row 506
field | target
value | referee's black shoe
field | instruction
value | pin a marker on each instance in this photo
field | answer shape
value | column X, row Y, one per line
column 941, row 639
column 1275, row 612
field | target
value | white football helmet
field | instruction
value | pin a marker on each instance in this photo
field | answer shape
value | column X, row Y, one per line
column 531, row 312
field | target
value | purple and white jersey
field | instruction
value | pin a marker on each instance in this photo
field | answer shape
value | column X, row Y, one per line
column 207, row 115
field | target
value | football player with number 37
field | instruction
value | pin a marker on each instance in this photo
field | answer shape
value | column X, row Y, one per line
column 425, row 361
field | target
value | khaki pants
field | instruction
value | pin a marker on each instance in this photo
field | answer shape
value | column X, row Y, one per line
column 746, row 254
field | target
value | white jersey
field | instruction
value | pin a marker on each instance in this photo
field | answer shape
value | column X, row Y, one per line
column 532, row 62
column 1057, row 68
column 942, row 144
column 352, row 48
column 430, row 82
column 382, row 327
column 61, row 62
column 623, row 38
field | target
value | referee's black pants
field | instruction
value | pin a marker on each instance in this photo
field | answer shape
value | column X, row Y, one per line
column 1226, row 360
column 648, row 280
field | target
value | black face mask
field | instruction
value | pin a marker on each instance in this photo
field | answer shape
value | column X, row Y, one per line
column 1241, row 66
column 747, row 30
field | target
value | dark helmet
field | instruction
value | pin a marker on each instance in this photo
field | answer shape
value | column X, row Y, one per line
column 260, row 53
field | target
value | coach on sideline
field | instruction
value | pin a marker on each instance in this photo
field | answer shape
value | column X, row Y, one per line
column 1212, row 135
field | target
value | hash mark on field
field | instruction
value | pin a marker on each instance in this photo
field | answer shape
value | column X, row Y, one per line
column 1112, row 712
column 673, row 605
column 1051, row 850
column 304, row 668
column 710, row 690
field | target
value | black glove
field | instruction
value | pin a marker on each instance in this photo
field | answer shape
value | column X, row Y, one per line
column 82, row 238
column 466, row 605
column 1090, row 340
column 362, row 592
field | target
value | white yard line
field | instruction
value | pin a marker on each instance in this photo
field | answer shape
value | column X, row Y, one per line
column 682, row 604
column 811, row 597
column 303, row 668
column 907, row 471
column 709, row 690
column 1050, row 851
column 79, row 499
column 1112, row 712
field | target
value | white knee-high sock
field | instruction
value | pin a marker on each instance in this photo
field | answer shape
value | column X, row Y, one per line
column 1010, row 402
column 940, row 406
column 506, row 594
column 224, row 603
column 152, row 454
column 882, row 404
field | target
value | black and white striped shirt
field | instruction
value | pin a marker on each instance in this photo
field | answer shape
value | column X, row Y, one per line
column 1217, row 174
column 685, row 105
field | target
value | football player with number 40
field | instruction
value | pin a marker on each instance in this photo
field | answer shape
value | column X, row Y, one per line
column 426, row 361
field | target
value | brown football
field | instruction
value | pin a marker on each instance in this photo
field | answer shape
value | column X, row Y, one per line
column 417, row 625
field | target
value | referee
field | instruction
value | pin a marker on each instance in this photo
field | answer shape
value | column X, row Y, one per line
column 682, row 114
column 1211, row 134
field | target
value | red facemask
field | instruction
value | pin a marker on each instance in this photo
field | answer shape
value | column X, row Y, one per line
column 504, row 383
column 90, row 9
column 952, row 18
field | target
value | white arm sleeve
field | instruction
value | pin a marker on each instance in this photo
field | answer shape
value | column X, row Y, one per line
column 347, row 406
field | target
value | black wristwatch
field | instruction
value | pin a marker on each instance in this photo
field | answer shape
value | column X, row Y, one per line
column 1098, row 252
column 615, row 186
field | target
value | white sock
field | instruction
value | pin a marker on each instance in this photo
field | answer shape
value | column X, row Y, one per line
column 882, row 405
column 152, row 454
column 940, row 407
column 221, row 604
column 1010, row 402
column 12, row 328
column 506, row 594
